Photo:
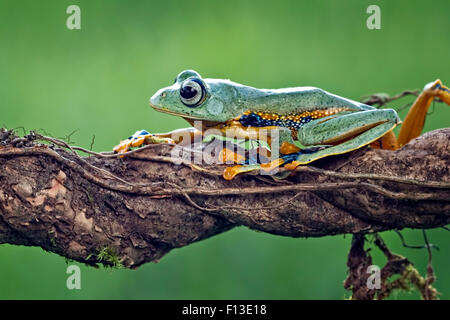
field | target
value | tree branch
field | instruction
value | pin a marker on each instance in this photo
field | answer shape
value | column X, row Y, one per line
column 132, row 210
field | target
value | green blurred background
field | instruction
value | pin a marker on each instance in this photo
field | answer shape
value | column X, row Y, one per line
column 98, row 80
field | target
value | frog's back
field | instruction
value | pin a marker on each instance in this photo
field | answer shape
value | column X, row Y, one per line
column 306, row 99
column 286, row 103
column 292, row 107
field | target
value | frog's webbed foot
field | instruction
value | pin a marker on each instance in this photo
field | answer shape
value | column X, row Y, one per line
column 140, row 138
column 413, row 124
column 288, row 161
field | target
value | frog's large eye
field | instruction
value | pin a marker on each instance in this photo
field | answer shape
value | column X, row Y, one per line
column 192, row 92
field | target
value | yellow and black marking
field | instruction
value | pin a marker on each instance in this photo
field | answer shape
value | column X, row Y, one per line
column 293, row 121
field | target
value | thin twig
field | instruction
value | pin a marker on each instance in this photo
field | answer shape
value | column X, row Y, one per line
column 382, row 99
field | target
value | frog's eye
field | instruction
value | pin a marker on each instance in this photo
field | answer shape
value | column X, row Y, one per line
column 192, row 92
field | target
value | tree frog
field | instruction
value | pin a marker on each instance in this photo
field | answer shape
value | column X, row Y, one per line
column 310, row 123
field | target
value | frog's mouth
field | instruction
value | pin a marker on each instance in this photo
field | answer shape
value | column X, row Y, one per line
column 163, row 110
column 205, row 123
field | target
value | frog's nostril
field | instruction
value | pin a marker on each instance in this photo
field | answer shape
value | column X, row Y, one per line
column 154, row 100
column 158, row 97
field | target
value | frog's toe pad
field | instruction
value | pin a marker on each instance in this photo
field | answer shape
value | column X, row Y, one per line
column 122, row 147
column 292, row 165
column 230, row 172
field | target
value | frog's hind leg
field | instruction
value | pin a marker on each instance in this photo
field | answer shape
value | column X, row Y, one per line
column 352, row 131
column 415, row 119
column 332, row 133
column 339, row 134
column 345, row 133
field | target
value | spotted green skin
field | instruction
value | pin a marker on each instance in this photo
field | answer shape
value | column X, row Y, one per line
column 226, row 100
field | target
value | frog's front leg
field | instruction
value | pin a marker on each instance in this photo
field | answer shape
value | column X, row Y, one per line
column 142, row 137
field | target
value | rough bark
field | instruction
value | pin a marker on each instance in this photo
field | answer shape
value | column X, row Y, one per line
column 135, row 209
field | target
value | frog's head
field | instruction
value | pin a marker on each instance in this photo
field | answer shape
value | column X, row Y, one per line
column 195, row 98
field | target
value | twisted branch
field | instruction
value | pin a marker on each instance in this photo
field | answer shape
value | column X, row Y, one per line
column 143, row 205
